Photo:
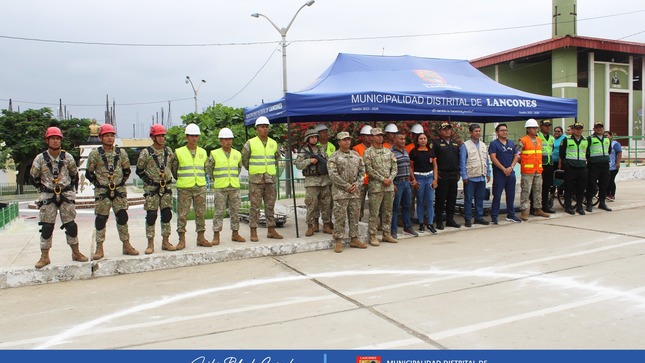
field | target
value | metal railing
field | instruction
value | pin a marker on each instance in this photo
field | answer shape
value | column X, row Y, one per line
column 8, row 213
column 632, row 150
column 12, row 189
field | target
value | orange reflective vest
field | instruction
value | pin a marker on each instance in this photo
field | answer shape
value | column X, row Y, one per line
column 360, row 149
column 531, row 159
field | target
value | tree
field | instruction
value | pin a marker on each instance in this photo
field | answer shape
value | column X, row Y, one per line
column 24, row 133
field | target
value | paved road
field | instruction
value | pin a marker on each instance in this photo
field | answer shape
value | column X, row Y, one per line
column 567, row 282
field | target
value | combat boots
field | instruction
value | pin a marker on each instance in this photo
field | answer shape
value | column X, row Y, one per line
column 165, row 244
column 356, row 243
column 235, row 237
column 77, row 255
column 151, row 246
column 99, row 251
column 254, row 234
column 387, row 237
column 316, row 226
column 310, row 230
column 44, row 259
column 525, row 215
column 272, row 233
column 129, row 250
column 374, row 241
column 541, row 213
column 328, row 228
column 338, row 247
column 182, row 241
column 215, row 241
column 202, row 241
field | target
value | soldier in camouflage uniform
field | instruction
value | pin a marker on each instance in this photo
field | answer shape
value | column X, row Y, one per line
column 313, row 163
column 381, row 168
column 55, row 175
column 259, row 156
column 153, row 167
column 346, row 170
column 108, row 168
column 223, row 166
column 189, row 168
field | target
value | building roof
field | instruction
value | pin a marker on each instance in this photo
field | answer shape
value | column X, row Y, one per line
column 560, row 42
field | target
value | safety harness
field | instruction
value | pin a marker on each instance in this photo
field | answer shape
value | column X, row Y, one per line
column 162, row 186
column 58, row 198
column 111, row 192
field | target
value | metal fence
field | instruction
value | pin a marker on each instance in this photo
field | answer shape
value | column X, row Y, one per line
column 632, row 154
column 12, row 189
column 8, row 213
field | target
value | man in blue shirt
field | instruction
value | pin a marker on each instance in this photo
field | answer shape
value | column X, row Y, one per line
column 402, row 187
column 504, row 156
column 473, row 155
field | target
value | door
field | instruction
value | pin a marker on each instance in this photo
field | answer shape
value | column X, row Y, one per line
column 618, row 115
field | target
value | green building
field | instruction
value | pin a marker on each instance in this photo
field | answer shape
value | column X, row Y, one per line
column 604, row 75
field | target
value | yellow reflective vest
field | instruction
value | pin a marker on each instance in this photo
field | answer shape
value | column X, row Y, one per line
column 262, row 159
column 227, row 168
column 191, row 169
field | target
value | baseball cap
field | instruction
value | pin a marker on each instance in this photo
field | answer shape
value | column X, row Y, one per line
column 545, row 122
column 578, row 125
column 342, row 135
column 598, row 124
column 445, row 125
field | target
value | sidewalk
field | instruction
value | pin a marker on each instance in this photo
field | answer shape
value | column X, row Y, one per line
column 21, row 239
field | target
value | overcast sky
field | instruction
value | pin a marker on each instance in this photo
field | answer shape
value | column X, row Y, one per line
column 240, row 56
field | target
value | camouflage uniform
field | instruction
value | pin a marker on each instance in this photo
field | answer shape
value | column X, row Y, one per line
column 380, row 164
column 261, row 186
column 109, row 190
column 157, row 176
column 64, row 166
column 346, row 169
column 223, row 196
column 196, row 196
column 328, row 149
column 318, row 191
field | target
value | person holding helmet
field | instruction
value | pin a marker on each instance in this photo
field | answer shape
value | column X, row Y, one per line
column 260, row 156
column 312, row 160
column 189, row 169
column 530, row 149
column 153, row 167
column 55, row 175
column 108, row 168
column 365, row 138
column 390, row 133
column 223, row 166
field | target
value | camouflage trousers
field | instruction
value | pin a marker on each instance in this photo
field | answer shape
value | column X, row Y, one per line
column 318, row 197
column 224, row 197
column 362, row 198
column 48, row 213
column 155, row 202
column 102, row 208
column 380, row 208
column 531, row 183
column 185, row 197
column 257, row 193
column 318, row 211
column 346, row 209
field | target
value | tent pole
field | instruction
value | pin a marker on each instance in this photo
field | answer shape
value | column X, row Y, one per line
column 290, row 166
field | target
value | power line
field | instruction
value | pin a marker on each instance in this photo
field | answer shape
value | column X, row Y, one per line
column 95, row 105
column 252, row 78
column 305, row 40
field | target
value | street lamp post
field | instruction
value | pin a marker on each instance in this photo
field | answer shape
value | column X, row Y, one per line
column 195, row 90
column 283, row 34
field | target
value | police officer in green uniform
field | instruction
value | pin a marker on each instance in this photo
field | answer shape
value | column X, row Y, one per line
column 573, row 158
column 598, row 166
column 189, row 169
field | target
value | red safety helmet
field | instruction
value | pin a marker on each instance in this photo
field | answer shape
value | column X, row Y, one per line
column 156, row 130
column 53, row 131
column 106, row 129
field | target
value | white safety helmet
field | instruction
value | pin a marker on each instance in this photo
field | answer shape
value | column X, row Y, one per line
column 366, row 130
column 193, row 129
column 531, row 123
column 321, row 127
column 417, row 129
column 225, row 133
column 261, row 121
column 391, row 128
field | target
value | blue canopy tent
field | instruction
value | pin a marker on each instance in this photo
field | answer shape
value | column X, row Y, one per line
column 389, row 88
column 384, row 88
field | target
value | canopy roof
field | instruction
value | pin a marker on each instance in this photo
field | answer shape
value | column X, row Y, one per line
column 389, row 88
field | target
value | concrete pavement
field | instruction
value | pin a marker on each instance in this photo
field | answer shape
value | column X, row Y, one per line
column 20, row 242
